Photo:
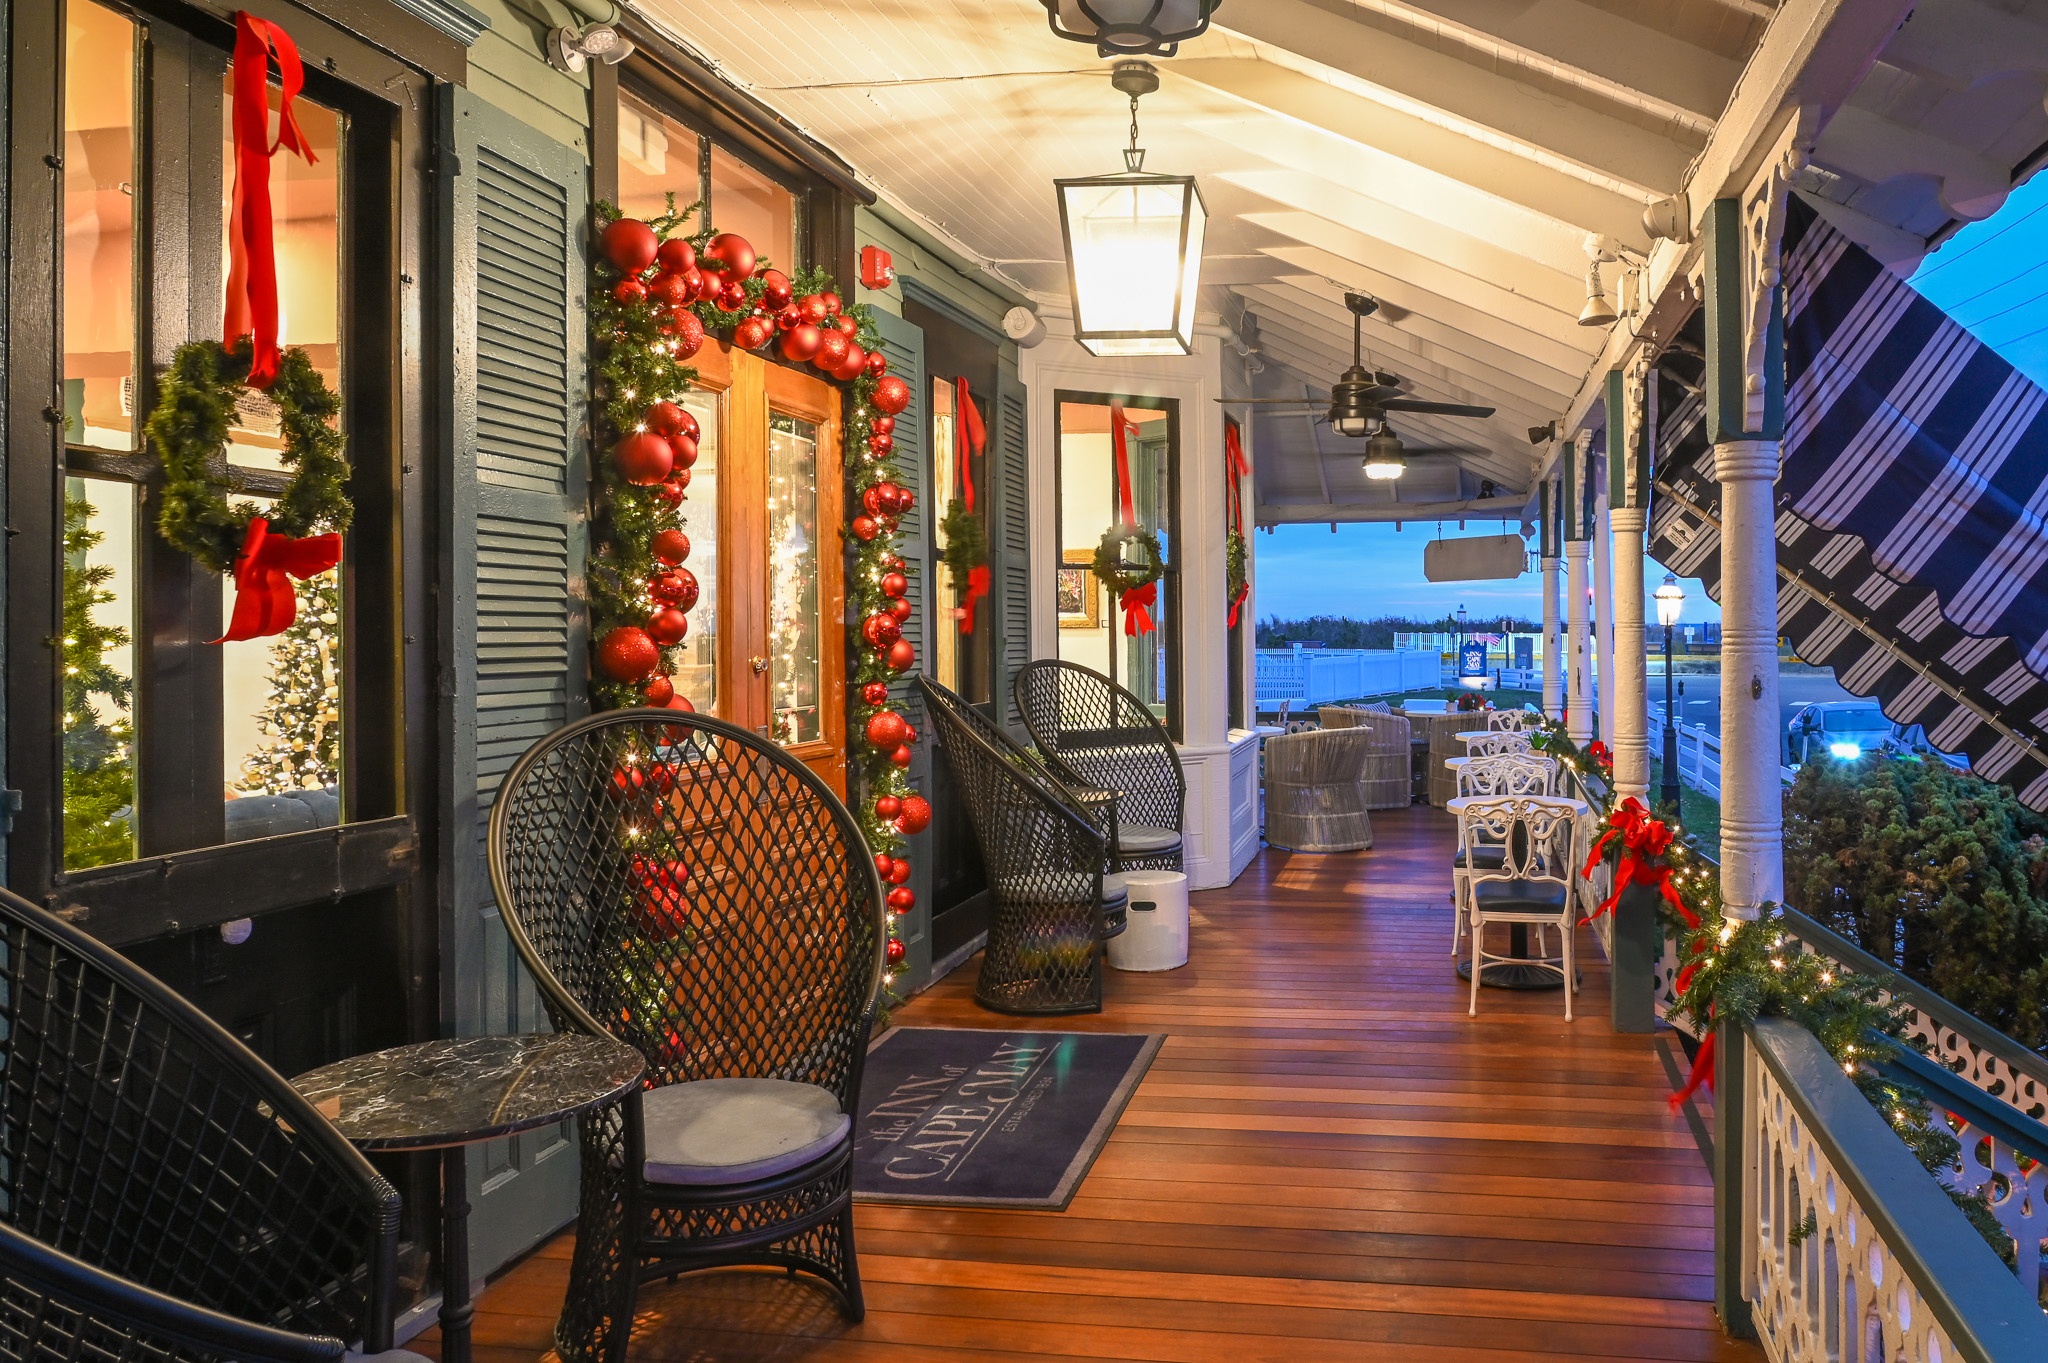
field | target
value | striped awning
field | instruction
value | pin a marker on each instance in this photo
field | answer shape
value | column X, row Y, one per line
column 1912, row 549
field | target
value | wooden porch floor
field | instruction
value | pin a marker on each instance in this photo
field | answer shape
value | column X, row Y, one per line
column 1328, row 1160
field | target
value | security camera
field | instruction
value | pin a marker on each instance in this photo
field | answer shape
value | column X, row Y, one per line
column 569, row 51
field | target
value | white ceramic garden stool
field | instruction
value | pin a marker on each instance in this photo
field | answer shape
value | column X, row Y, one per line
column 1156, row 933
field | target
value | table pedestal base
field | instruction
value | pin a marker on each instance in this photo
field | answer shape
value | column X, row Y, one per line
column 456, row 1307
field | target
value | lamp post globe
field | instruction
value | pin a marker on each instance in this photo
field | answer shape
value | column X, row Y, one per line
column 1670, row 599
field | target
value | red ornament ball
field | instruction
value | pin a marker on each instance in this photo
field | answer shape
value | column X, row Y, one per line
column 676, row 254
column 894, row 584
column 626, row 654
column 899, row 873
column 801, row 342
column 665, row 418
column 882, row 425
column 902, row 756
column 666, row 587
column 813, row 308
column 872, row 499
column 689, row 426
column 878, row 363
column 895, row 951
column 883, row 861
column 887, row 807
column 831, row 302
column 874, row 693
column 901, row 656
column 667, row 626
column 678, row 479
column 669, row 492
column 699, row 282
column 687, row 590
column 635, row 779
column 753, row 333
column 885, row 729
column 629, row 293
column 735, row 252
column 880, row 630
column 892, row 394
column 643, row 458
column 689, row 336
column 917, row 814
column 731, row 297
column 658, row 691
column 900, row 609
column 847, row 327
column 672, row 290
column 850, row 367
column 775, row 290
column 788, row 317
column 685, row 450
column 865, row 528
column 669, row 546
column 881, row 444
column 831, row 352
column 629, row 244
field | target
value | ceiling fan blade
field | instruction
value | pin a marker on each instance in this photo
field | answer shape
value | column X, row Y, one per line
column 1273, row 402
column 1435, row 408
column 1394, row 312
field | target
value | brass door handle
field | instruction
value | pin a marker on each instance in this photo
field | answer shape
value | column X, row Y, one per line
column 759, row 665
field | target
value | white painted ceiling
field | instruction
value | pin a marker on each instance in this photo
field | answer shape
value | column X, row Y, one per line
column 1449, row 157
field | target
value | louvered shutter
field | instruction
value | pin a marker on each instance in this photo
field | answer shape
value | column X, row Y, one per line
column 1010, row 541
column 903, row 343
column 514, row 631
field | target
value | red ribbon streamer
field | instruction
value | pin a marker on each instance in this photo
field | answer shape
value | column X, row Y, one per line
column 970, row 438
column 1702, row 1073
column 1137, row 601
column 264, row 600
column 1238, row 469
column 252, row 255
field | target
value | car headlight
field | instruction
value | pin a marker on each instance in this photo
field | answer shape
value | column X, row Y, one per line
column 1848, row 752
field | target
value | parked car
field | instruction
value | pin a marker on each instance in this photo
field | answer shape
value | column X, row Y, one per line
column 1845, row 729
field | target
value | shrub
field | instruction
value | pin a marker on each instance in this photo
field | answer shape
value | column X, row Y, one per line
column 1940, row 873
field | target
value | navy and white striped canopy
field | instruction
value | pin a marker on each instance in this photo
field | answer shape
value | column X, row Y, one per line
column 1912, row 547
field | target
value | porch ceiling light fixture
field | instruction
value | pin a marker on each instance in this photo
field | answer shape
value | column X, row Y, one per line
column 1130, row 28
column 1134, row 247
column 1383, row 458
column 570, row 51
column 1598, row 312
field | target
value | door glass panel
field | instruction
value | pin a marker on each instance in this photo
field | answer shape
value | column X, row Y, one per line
column 697, row 678
column 794, row 629
column 281, row 720
column 99, row 670
column 745, row 201
column 305, row 206
column 99, row 228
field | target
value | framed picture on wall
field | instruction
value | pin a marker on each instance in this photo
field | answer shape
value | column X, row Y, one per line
column 1078, row 599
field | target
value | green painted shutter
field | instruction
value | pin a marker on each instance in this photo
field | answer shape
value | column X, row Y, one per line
column 514, row 624
column 1010, row 541
column 903, row 343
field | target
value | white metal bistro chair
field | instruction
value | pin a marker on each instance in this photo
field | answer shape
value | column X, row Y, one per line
column 1504, row 775
column 1533, row 884
column 1511, row 721
column 1494, row 742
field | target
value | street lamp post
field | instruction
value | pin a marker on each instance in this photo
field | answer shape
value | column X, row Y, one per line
column 1670, row 601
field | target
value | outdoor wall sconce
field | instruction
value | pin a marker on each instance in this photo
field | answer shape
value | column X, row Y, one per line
column 1134, row 247
column 1129, row 28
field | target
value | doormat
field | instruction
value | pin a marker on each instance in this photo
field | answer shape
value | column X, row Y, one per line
column 990, row 1119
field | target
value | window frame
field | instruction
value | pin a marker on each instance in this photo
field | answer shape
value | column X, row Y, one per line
column 182, row 56
column 1171, row 615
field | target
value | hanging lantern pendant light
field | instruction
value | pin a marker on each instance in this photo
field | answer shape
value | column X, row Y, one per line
column 1134, row 246
column 1129, row 28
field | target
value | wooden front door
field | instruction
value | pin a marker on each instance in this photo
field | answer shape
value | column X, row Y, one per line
column 763, row 513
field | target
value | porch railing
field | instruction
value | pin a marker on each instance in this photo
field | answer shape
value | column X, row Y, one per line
column 1317, row 676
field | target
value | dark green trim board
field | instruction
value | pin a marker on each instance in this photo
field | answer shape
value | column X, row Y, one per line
column 1725, row 305
column 1731, row 1168
column 1568, row 482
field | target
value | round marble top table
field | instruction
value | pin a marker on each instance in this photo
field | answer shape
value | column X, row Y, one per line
column 449, row 1095
column 1513, row 976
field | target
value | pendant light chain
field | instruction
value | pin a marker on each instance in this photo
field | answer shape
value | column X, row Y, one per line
column 1134, row 158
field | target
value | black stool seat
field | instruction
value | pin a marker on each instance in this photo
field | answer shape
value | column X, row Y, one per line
column 1485, row 857
column 1537, row 898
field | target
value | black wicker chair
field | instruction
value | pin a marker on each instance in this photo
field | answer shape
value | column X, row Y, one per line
column 696, row 892
column 1096, row 734
column 1052, row 897
column 164, row 1193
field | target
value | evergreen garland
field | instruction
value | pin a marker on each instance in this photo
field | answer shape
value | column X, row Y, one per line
column 99, row 751
column 196, row 405
column 1235, row 556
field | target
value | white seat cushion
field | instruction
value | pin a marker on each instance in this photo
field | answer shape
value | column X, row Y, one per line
column 1138, row 838
column 737, row 1130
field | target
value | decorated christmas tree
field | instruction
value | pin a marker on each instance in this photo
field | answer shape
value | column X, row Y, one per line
column 301, row 718
column 99, row 735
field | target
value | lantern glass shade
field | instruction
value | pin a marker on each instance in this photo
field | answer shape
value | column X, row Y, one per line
column 1134, row 261
column 1670, row 602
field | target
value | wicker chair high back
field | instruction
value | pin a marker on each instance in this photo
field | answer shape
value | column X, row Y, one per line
column 139, row 1137
column 1097, row 734
column 1046, row 861
column 696, row 892
column 1315, row 796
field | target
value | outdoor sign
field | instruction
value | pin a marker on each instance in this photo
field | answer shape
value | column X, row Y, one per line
column 1471, row 659
column 1525, row 652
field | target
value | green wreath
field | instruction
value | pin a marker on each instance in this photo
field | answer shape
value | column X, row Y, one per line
column 1235, row 554
column 966, row 543
column 196, row 404
column 1119, row 576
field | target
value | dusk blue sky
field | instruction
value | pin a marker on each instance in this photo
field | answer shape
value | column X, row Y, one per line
column 1992, row 277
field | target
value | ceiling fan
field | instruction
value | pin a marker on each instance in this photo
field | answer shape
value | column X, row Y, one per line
column 1361, row 397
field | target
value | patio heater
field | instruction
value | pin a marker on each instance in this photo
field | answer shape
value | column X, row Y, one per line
column 1134, row 247
column 1670, row 602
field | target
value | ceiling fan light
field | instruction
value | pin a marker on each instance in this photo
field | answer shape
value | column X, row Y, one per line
column 1383, row 461
column 1130, row 28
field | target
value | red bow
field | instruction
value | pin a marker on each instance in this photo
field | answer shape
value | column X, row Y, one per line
column 977, row 587
column 252, row 258
column 1236, row 469
column 1136, row 603
column 264, row 600
column 1600, row 753
column 1644, row 841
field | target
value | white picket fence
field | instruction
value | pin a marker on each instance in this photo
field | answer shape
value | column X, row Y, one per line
column 1316, row 676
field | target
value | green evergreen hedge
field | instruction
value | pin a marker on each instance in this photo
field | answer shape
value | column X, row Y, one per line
column 1938, row 872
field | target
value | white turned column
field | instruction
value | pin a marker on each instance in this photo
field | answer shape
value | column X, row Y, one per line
column 1603, row 624
column 1752, row 795
column 1628, row 699
column 1553, row 645
column 1579, row 644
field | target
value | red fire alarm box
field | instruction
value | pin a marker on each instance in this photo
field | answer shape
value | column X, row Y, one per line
column 877, row 267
